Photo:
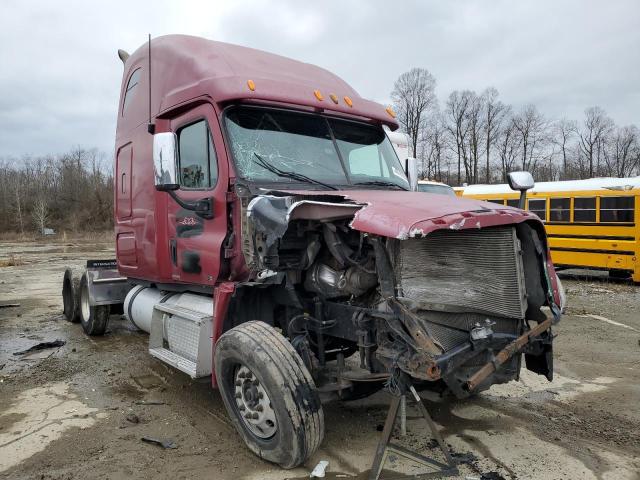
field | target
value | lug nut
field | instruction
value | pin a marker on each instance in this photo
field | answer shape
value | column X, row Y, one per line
column 248, row 375
column 259, row 408
column 241, row 407
column 260, row 395
column 238, row 383
column 238, row 395
column 255, row 416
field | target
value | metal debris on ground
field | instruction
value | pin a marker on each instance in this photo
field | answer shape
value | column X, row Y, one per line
column 318, row 471
column 41, row 346
column 150, row 402
column 491, row 476
column 168, row 443
column 9, row 305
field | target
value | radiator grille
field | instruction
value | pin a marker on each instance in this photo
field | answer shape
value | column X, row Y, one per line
column 465, row 270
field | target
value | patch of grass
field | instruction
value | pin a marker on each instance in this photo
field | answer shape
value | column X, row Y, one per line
column 11, row 261
column 9, row 236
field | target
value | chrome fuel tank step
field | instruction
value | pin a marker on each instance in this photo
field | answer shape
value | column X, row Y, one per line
column 179, row 327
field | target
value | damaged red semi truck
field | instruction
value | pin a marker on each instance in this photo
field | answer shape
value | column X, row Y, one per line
column 267, row 235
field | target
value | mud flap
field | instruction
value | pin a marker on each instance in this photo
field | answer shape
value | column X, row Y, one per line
column 541, row 363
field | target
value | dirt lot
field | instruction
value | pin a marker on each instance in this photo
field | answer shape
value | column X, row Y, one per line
column 79, row 411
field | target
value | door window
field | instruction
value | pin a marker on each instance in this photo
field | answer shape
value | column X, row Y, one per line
column 197, row 157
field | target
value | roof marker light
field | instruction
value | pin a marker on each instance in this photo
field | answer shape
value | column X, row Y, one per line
column 334, row 98
column 348, row 101
column 390, row 111
column 251, row 85
column 318, row 95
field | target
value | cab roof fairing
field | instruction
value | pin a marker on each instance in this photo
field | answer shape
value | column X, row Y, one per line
column 184, row 68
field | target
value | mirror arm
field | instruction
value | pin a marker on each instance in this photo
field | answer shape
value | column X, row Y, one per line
column 203, row 207
column 522, row 202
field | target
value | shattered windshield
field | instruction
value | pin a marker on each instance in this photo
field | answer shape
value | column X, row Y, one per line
column 275, row 146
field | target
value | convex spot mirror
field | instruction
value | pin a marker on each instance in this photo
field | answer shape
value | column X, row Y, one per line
column 520, row 181
column 165, row 161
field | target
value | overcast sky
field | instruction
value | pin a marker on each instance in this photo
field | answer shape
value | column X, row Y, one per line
column 60, row 75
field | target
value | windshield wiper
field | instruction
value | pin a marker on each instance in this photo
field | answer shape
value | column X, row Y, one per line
column 292, row 175
column 381, row 183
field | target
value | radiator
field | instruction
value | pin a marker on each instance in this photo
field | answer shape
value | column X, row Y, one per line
column 457, row 271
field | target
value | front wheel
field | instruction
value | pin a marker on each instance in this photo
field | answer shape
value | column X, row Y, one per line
column 269, row 394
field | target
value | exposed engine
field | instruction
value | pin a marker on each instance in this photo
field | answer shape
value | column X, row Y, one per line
column 437, row 307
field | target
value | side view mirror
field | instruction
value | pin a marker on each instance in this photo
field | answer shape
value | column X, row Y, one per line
column 165, row 171
column 165, row 161
column 521, row 181
column 411, row 169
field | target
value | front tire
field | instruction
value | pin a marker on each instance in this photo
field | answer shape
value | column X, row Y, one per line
column 93, row 319
column 269, row 394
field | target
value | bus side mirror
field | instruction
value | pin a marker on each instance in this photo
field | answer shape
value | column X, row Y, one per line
column 165, row 161
column 411, row 169
column 521, row 181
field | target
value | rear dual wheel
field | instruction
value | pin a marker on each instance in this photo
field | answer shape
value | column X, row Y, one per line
column 269, row 394
column 93, row 319
column 71, row 295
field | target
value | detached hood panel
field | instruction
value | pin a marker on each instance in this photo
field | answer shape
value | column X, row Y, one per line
column 401, row 214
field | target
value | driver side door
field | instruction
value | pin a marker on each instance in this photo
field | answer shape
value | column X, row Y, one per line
column 195, row 242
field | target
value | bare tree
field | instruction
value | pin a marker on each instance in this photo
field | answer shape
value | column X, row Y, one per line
column 435, row 144
column 457, row 108
column 18, row 206
column 40, row 213
column 619, row 152
column 494, row 114
column 531, row 127
column 508, row 147
column 413, row 96
column 475, row 119
column 563, row 131
column 597, row 125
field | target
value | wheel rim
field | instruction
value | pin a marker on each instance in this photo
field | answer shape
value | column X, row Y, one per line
column 84, row 303
column 253, row 404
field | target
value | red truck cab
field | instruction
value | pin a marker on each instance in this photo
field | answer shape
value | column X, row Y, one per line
column 267, row 235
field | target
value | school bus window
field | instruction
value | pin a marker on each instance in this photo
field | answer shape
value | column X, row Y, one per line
column 539, row 207
column 616, row 209
column 513, row 202
column 584, row 209
column 499, row 201
column 559, row 210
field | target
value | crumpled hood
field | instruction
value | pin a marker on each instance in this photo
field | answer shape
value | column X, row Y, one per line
column 402, row 214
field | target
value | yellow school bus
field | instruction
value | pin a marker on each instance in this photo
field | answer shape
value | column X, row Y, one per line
column 591, row 223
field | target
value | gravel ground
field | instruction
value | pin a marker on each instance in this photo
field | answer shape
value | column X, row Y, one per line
column 80, row 411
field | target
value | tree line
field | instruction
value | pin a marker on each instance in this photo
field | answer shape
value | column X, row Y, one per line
column 467, row 138
column 70, row 192
column 474, row 137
